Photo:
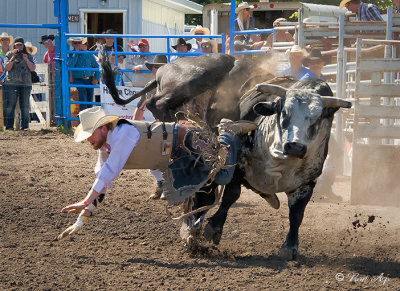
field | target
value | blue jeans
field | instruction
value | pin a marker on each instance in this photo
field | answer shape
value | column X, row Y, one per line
column 85, row 94
column 11, row 93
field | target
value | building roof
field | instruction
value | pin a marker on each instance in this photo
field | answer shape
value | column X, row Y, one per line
column 188, row 7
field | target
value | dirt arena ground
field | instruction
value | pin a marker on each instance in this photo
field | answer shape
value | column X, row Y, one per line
column 131, row 244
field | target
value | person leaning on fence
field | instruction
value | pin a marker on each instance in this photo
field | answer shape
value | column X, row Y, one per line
column 17, row 85
column 78, row 60
column 47, row 42
column 280, row 35
column 158, row 62
column 196, row 155
column 181, row 46
column 296, row 68
column 244, row 21
column 363, row 11
column 137, row 63
column 5, row 43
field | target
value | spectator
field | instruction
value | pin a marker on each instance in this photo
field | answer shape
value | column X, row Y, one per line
column 110, row 47
column 315, row 62
column 79, row 60
column 280, row 35
column 17, row 84
column 47, row 42
column 208, row 46
column 296, row 68
column 137, row 63
column 6, row 42
column 159, row 60
column 181, row 47
column 198, row 30
column 243, row 20
column 363, row 11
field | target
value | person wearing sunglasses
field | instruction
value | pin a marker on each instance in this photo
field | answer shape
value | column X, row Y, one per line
column 137, row 63
column 47, row 42
column 208, row 46
column 244, row 21
column 5, row 43
column 198, row 30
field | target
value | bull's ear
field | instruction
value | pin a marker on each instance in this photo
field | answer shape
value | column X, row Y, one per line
column 265, row 108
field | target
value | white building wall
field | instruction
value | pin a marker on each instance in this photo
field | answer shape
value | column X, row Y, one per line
column 161, row 20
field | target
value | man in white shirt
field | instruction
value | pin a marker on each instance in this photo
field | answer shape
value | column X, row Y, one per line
column 124, row 144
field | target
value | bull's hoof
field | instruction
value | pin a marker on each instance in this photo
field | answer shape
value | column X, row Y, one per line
column 288, row 254
column 211, row 234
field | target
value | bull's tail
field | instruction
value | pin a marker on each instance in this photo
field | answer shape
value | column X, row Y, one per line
column 109, row 80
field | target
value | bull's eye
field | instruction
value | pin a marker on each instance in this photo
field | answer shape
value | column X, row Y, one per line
column 311, row 131
column 285, row 120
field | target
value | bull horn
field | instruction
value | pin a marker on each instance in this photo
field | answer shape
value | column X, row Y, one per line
column 335, row 102
column 271, row 89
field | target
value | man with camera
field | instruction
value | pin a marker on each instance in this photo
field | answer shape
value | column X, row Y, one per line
column 19, row 65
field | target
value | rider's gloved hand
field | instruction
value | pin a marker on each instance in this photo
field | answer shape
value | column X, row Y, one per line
column 75, row 227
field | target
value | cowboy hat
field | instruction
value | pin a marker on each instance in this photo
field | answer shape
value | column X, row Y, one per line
column 295, row 49
column 198, row 29
column 5, row 35
column 210, row 41
column 44, row 38
column 181, row 41
column 315, row 54
column 91, row 119
column 159, row 60
column 75, row 38
column 31, row 48
column 278, row 21
column 343, row 3
column 242, row 6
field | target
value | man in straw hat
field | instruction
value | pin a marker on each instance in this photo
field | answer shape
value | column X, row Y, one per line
column 296, row 68
column 128, row 144
column 198, row 30
column 78, row 60
column 31, row 48
column 5, row 42
column 364, row 11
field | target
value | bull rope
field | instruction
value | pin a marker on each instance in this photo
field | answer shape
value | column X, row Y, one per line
column 204, row 208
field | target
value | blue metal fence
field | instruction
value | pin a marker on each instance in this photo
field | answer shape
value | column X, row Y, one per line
column 64, row 56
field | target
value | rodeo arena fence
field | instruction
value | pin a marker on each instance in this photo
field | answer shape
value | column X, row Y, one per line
column 369, row 133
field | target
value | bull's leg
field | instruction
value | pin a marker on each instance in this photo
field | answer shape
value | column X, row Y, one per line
column 215, row 225
column 297, row 202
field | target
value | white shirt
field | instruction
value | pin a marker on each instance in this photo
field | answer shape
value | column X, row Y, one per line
column 121, row 141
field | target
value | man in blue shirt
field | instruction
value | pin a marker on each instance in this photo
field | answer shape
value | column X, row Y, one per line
column 364, row 11
column 296, row 68
column 78, row 60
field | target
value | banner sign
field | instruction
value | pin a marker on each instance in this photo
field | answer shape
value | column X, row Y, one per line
column 124, row 111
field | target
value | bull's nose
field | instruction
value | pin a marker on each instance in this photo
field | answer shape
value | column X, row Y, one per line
column 294, row 149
